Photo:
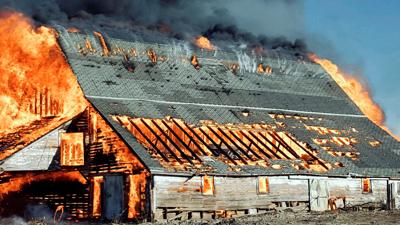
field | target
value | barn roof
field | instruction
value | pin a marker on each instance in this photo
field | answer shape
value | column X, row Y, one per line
column 298, row 99
column 31, row 146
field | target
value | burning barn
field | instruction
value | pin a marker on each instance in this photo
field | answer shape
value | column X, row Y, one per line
column 174, row 131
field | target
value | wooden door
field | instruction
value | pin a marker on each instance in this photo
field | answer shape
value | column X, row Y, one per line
column 319, row 194
column 113, row 197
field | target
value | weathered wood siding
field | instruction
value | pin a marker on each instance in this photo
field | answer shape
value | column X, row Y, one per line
column 230, row 193
column 240, row 193
column 351, row 188
column 395, row 193
column 37, row 156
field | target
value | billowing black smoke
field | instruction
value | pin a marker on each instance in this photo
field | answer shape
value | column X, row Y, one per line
column 269, row 24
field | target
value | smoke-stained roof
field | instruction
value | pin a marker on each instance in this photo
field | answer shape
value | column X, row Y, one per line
column 298, row 94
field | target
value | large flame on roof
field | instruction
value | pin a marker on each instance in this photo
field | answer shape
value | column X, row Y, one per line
column 356, row 91
column 204, row 43
column 35, row 80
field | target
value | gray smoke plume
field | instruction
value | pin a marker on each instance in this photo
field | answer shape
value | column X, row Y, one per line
column 266, row 23
column 14, row 220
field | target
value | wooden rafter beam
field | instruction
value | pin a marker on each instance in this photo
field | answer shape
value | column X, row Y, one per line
column 162, row 141
column 227, row 145
column 147, row 139
column 260, row 139
column 217, row 145
column 191, row 138
column 182, row 153
column 234, row 143
column 181, row 141
column 260, row 149
column 243, row 144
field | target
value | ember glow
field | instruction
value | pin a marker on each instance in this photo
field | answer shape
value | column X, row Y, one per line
column 356, row 91
column 204, row 43
column 35, row 80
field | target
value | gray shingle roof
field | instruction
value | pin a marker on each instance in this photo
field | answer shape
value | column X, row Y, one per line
column 175, row 88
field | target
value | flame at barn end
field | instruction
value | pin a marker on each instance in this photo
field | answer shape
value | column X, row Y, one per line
column 36, row 80
column 18, row 182
column 356, row 91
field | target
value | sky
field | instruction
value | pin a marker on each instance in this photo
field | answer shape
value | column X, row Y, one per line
column 363, row 37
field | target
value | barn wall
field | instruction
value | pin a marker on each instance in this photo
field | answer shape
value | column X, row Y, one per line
column 351, row 188
column 230, row 193
column 241, row 193
column 395, row 193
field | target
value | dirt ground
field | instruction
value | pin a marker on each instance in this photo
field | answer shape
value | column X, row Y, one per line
column 303, row 218
column 274, row 218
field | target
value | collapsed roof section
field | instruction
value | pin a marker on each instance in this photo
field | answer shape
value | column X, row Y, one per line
column 181, row 146
column 38, row 155
column 28, row 135
column 145, row 83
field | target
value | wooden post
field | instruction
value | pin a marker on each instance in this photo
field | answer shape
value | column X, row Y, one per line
column 46, row 103
column 40, row 104
column 35, row 103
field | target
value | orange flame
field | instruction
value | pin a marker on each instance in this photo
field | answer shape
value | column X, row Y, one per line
column 35, row 79
column 124, row 155
column 267, row 70
column 152, row 55
column 195, row 62
column 18, row 182
column 137, row 184
column 97, row 181
column 73, row 30
column 106, row 52
column 356, row 91
column 260, row 68
column 71, row 149
column 58, row 214
column 204, row 43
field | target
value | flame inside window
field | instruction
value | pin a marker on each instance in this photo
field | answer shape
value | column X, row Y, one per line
column 263, row 185
column 208, row 185
column 71, row 149
column 366, row 185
